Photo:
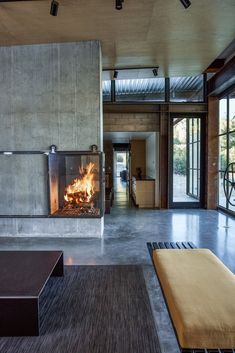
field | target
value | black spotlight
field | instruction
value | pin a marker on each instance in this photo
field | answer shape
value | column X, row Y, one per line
column 54, row 8
column 155, row 71
column 185, row 3
column 119, row 4
column 115, row 74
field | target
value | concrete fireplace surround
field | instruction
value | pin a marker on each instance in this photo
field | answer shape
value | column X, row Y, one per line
column 49, row 94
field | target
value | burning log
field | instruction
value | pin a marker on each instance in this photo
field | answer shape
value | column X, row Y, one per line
column 80, row 192
column 79, row 205
column 79, row 211
column 78, row 198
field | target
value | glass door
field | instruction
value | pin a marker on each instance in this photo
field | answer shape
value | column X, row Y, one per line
column 226, row 199
column 185, row 162
column 121, row 178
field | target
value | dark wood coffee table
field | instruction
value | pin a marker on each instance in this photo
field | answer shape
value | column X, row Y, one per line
column 23, row 276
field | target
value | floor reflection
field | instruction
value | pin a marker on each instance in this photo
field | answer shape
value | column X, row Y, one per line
column 128, row 229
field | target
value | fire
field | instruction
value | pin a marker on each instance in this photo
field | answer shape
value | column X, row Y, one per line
column 81, row 190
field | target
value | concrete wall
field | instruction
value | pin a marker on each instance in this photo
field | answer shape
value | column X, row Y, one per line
column 49, row 94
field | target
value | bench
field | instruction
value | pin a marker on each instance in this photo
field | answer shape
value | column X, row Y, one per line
column 199, row 292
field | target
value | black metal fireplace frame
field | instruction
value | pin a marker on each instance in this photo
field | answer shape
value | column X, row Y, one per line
column 101, row 181
column 46, row 153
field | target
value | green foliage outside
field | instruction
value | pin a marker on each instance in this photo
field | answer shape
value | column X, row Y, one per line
column 223, row 144
column 179, row 143
column 179, row 157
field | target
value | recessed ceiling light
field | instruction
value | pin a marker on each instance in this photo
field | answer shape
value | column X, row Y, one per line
column 54, row 8
column 185, row 3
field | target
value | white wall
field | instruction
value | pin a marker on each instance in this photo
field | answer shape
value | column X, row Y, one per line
column 152, row 162
column 151, row 156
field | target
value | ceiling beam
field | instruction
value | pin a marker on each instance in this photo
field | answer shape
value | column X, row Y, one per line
column 215, row 66
column 222, row 80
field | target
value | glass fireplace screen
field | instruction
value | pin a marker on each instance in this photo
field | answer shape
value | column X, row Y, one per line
column 76, row 184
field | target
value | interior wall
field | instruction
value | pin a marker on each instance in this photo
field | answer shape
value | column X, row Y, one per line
column 157, row 180
column 151, row 156
column 131, row 122
column 138, row 156
column 108, row 150
column 49, row 94
column 152, row 162
column 212, row 153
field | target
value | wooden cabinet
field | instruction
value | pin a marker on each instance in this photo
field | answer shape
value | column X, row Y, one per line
column 143, row 192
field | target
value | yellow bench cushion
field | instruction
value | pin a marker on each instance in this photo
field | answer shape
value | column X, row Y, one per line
column 200, row 293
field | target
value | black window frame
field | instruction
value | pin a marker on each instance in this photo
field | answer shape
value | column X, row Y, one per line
column 166, row 99
column 200, row 202
column 227, row 133
column 195, row 141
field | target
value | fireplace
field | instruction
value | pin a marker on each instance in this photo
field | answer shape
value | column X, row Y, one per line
column 76, row 184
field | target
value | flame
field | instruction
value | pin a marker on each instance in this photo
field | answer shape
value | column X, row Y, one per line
column 82, row 188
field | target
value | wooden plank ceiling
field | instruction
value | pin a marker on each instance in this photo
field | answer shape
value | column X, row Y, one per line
column 145, row 33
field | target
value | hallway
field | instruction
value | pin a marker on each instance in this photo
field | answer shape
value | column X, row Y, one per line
column 122, row 198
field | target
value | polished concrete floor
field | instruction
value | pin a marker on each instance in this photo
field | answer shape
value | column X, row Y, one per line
column 126, row 232
column 122, row 198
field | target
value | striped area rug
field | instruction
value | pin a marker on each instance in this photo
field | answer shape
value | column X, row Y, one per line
column 93, row 309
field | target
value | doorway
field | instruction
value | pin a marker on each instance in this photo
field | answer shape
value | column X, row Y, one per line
column 186, row 178
column 121, row 177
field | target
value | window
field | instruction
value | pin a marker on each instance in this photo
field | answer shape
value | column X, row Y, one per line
column 223, row 116
column 193, row 142
column 185, row 161
column 181, row 89
column 227, row 152
column 187, row 89
column 150, row 89
column 106, row 91
column 232, row 111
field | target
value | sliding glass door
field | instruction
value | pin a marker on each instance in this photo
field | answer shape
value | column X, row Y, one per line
column 185, row 162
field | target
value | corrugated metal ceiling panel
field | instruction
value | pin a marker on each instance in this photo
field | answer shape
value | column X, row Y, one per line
column 152, row 85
